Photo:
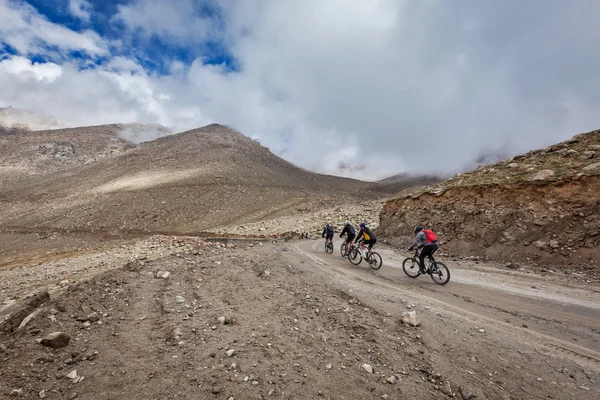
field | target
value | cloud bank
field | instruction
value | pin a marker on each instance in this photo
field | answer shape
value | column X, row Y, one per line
column 376, row 87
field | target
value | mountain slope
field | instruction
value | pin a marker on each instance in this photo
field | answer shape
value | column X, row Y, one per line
column 543, row 206
column 183, row 183
column 25, row 153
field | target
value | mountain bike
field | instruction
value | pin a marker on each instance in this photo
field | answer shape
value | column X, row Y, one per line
column 328, row 246
column 439, row 273
column 373, row 258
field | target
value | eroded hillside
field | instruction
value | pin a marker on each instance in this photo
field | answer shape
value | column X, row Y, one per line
column 543, row 206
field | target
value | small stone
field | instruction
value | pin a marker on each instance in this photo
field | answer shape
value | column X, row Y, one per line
column 540, row 379
column 87, row 324
column 392, row 380
column 255, row 383
column 328, row 366
column 179, row 299
column 163, row 275
column 367, row 368
column 230, row 352
column 42, row 394
column 56, row 340
column 17, row 392
column 221, row 320
column 410, row 318
column 93, row 317
column 72, row 374
column 466, row 393
column 482, row 331
column 53, row 311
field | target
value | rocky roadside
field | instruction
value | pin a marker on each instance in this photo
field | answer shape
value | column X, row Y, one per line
column 310, row 220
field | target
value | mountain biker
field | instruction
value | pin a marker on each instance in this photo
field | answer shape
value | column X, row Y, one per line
column 369, row 238
column 350, row 234
column 328, row 233
column 427, row 240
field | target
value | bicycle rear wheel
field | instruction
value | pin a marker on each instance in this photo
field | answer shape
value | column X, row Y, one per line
column 354, row 256
column 440, row 274
column 411, row 267
column 329, row 247
column 375, row 261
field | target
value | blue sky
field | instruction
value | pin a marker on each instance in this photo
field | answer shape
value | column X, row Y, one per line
column 384, row 84
column 154, row 52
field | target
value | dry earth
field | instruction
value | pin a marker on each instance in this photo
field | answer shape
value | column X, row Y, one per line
column 299, row 324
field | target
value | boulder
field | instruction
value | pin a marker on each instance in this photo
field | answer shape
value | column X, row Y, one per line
column 543, row 175
column 56, row 340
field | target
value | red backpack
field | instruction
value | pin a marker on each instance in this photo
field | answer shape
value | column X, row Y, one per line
column 430, row 235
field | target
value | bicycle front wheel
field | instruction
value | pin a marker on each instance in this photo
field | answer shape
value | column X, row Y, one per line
column 343, row 249
column 375, row 261
column 411, row 267
column 440, row 274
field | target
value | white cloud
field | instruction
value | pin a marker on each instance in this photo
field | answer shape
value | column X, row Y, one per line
column 23, row 69
column 81, row 9
column 171, row 20
column 23, row 28
column 392, row 85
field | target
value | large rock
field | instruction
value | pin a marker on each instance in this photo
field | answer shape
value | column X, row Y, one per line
column 56, row 340
column 14, row 314
column 543, row 175
column 592, row 167
column 410, row 318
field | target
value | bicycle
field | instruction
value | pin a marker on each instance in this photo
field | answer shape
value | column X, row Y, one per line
column 328, row 246
column 438, row 271
column 355, row 258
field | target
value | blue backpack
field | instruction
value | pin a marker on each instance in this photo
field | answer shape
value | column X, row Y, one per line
column 329, row 230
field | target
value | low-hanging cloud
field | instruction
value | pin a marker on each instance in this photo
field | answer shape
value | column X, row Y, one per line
column 376, row 87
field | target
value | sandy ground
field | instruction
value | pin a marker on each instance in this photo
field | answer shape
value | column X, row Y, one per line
column 301, row 324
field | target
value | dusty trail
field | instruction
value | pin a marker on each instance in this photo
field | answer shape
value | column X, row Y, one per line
column 542, row 309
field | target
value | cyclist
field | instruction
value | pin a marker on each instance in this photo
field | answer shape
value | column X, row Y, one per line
column 350, row 234
column 328, row 233
column 369, row 238
column 427, row 240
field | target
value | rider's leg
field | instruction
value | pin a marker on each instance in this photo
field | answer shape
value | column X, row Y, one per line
column 424, row 253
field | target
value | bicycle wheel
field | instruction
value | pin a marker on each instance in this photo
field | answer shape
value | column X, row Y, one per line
column 410, row 266
column 329, row 248
column 440, row 274
column 343, row 249
column 354, row 256
column 375, row 261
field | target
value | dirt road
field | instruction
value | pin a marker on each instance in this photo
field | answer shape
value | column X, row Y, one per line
column 559, row 315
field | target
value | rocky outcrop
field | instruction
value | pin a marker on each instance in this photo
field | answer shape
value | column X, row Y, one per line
column 540, row 207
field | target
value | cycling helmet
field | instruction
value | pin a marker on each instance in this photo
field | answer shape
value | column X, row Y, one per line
column 362, row 225
column 418, row 228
